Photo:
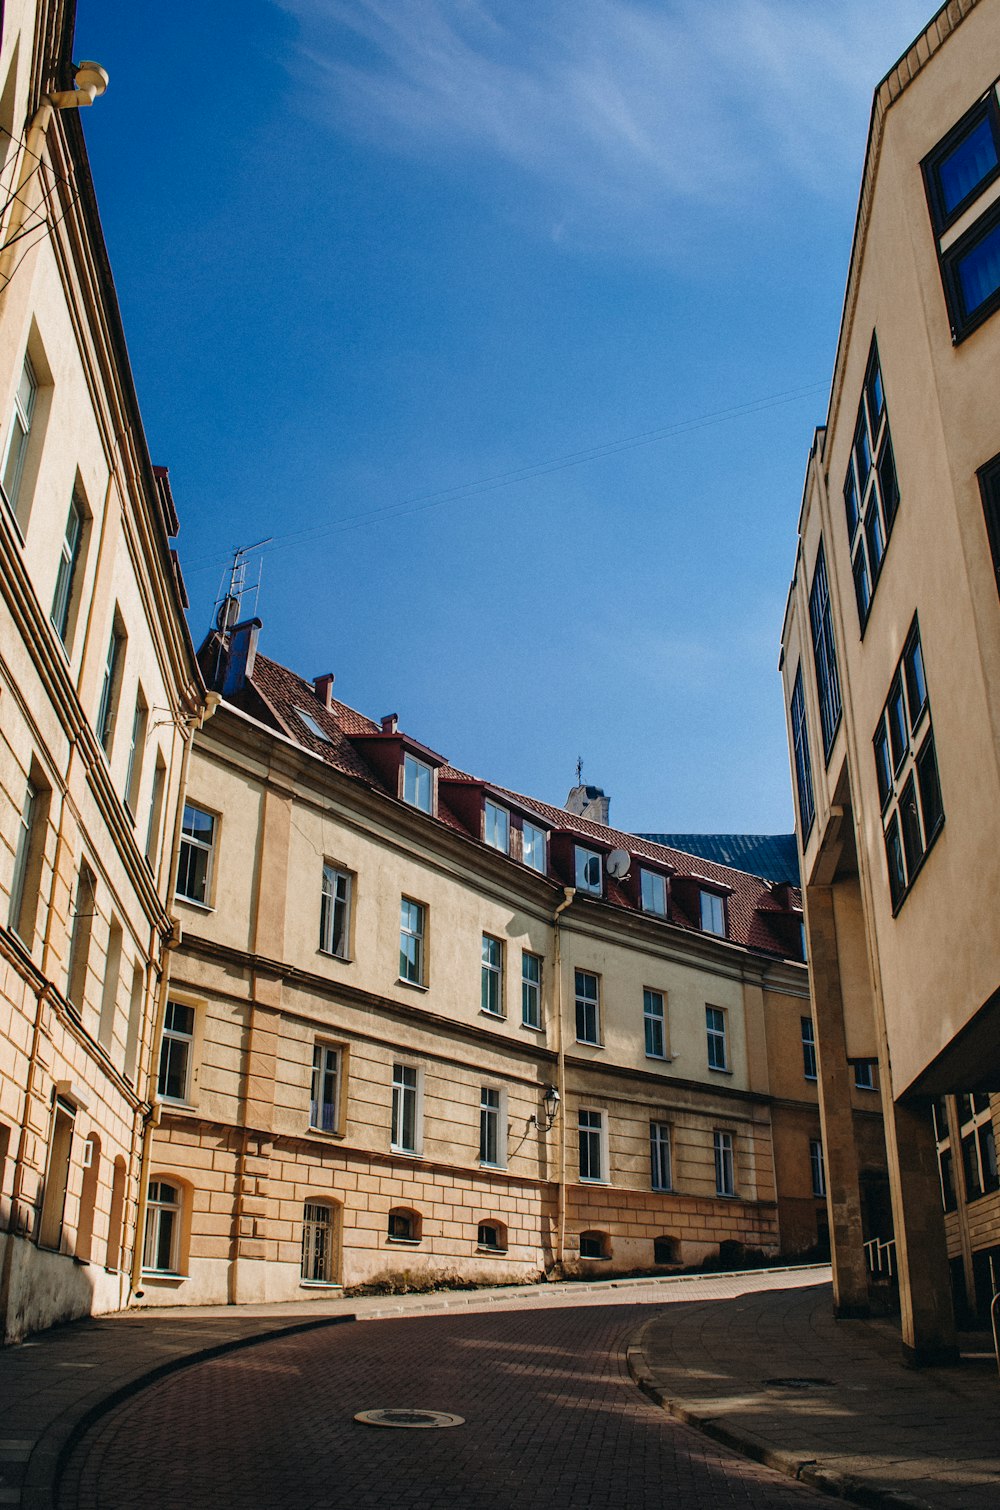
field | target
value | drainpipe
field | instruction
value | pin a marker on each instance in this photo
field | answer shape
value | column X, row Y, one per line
column 151, row 1118
column 569, row 892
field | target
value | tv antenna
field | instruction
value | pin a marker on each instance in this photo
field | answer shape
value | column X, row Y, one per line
column 229, row 604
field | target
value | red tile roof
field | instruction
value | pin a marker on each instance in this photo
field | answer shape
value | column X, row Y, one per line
column 756, row 918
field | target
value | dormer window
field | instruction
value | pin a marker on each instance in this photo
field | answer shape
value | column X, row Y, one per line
column 417, row 783
column 654, row 893
column 311, row 724
column 496, row 826
column 533, row 847
column 713, row 913
column 588, row 871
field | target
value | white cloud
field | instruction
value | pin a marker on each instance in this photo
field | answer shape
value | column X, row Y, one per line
column 622, row 115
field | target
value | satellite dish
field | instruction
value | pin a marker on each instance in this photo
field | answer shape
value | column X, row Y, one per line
column 618, row 863
column 229, row 612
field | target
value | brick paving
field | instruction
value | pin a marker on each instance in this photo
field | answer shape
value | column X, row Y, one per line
column 552, row 1416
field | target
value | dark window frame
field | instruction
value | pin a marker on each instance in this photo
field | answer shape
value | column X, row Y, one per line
column 871, row 506
column 986, row 108
column 988, row 477
column 964, row 322
column 828, row 689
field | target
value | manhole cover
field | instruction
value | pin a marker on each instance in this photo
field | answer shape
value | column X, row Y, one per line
column 409, row 1420
column 794, row 1383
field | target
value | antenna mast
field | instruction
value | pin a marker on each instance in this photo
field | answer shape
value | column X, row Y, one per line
column 229, row 605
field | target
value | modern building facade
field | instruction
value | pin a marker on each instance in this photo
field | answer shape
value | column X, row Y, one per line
column 99, row 691
column 891, row 666
column 421, row 1027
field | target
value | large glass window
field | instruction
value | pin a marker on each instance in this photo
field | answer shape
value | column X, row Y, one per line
column 715, row 1031
column 418, row 783
column 712, row 909
column 324, row 1096
column 533, row 847
column 531, row 990
column 824, row 652
column 803, row 764
column 591, row 1132
column 906, row 771
column 808, row 1048
column 22, row 853
column 654, row 893
column 194, row 869
column 491, row 996
column 589, row 874
column 405, row 1086
column 17, row 437
column 69, row 560
column 496, row 826
column 110, row 684
column 588, row 1007
column 335, row 912
column 817, row 1166
column 136, row 752
column 964, row 163
column 175, row 1052
column 725, row 1174
column 412, row 921
column 492, row 1131
column 161, row 1243
column 659, row 1156
column 654, row 1024
column 871, row 497
column 317, row 1243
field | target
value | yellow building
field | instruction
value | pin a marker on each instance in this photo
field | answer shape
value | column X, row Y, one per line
column 422, row 1026
column 98, row 685
column 891, row 665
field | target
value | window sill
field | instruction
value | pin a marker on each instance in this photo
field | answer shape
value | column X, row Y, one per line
column 533, row 1027
column 810, row 1079
column 412, row 985
column 342, row 959
column 170, row 1105
column 719, row 1069
column 585, row 1181
column 484, row 1164
column 193, row 902
column 162, row 1276
column 319, row 1284
column 589, row 1043
column 661, row 1058
column 491, row 1252
column 407, row 1153
column 662, row 1189
column 494, row 1016
column 595, row 1258
column 324, row 1132
column 404, row 1242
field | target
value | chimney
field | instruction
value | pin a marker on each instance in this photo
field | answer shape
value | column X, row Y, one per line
column 390, row 723
column 323, row 688
column 589, row 802
column 242, row 652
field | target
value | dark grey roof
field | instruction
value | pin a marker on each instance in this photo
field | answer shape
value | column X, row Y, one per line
column 773, row 856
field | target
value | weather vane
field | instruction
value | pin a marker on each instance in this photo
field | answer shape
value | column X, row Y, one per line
column 579, row 770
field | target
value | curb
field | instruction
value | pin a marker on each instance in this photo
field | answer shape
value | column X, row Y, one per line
column 51, row 1452
column 811, row 1471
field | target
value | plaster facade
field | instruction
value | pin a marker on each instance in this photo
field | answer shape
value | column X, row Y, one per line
column 891, row 685
column 97, row 687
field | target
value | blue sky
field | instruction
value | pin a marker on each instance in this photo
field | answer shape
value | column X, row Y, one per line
column 512, row 323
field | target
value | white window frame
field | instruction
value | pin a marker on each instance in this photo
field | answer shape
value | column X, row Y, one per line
column 493, row 1110
column 661, row 1173
column 177, row 1042
column 653, row 1022
column 414, row 771
column 22, row 857
column 136, row 753
column 864, row 1075
column 496, row 826
column 587, row 862
column 534, row 847
column 69, row 560
column 596, row 1124
column 328, row 1063
column 587, row 1002
column 23, row 412
column 110, row 686
column 717, row 1036
column 653, row 890
column 407, row 1082
column 725, row 1163
column 160, row 1208
column 818, row 1166
column 531, row 990
column 491, row 977
column 808, row 1049
column 319, row 1231
column 336, row 892
column 418, row 937
column 191, row 842
column 712, row 910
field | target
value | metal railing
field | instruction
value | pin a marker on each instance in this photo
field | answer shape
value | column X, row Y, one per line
column 880, row 1255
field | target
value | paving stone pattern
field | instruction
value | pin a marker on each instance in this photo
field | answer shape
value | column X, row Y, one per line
column 552, row 1417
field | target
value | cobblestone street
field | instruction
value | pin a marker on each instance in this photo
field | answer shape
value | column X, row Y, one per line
column 551, row 1417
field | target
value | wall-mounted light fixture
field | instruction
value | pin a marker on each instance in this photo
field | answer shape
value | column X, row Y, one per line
column 551, row 1103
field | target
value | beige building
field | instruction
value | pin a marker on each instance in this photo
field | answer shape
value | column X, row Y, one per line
column 891, row 664
column 98, row 686
column 422, row 1026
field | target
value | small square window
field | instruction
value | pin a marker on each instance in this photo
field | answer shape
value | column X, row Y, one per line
column 864, row 1074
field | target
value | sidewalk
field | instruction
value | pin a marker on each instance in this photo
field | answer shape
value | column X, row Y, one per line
column 774, row 1376
column 848, row 1418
